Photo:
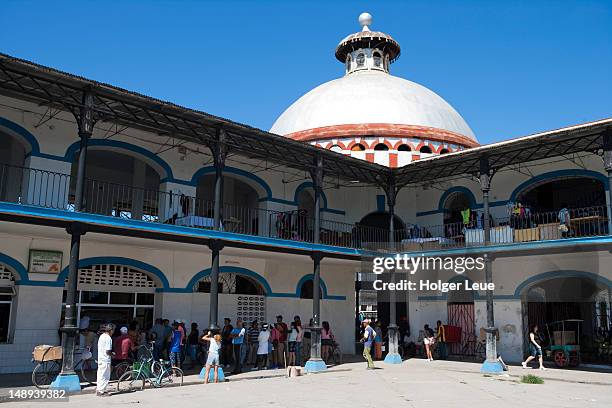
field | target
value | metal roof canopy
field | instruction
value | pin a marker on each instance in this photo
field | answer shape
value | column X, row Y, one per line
column 47, row 86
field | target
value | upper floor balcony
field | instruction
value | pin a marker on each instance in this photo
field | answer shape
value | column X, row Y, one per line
column 46, row 189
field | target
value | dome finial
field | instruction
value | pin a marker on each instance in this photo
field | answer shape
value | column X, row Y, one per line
column 365, row 20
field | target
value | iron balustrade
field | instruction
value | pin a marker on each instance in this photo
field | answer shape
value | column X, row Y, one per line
column 49, row 189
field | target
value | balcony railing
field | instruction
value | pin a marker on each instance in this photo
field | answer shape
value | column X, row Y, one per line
column 541, row 226
column 55, row 190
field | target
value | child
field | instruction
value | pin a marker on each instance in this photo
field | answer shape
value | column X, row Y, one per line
column 213, row 355
column 175, row 346
column 293, row 336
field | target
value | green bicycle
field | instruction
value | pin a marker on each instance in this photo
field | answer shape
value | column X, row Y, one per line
column 158, row 373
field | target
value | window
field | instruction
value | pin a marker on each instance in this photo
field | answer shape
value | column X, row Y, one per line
column 358, row 147
column 348, row 63
column 381, row 147
column 336, row 148
column 360, row 60
column 7, row 293
column 307, row 289
column 425, row 149
column 443, row 151
column 377, row 60
column 403, row 148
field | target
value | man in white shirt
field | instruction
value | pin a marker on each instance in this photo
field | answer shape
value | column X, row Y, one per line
column 105, row 352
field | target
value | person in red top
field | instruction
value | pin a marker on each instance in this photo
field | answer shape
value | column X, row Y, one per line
column 282, row 340
column 122, row 345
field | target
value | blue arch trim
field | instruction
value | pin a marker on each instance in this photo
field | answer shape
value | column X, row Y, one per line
column 309, row 277
column 15, row 265
column 457, row 189
column 74, row 148
column 304, row 186
column 26, row 136
column 145, row 267
column 550, row 176
column 233, row 170
column 560, row 274
column 228, row 269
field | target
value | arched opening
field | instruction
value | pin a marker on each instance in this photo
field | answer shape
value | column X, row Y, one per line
column 307, row 288
column 120, row 294
column 12, row 160
column 425, row 149
column 569, row 192
column 7, row 297
column 403, row 148
column 119, row 185
column 567, row 298
column 348, row 63
column 240, row 204
column 456, row 204
column 241, row 296
column 358, row 147
column 374, row 228
column 381, row 147
column 336, row 148
column 460, row 309
column 377, row 59
column 360, row 60
column 444, row 151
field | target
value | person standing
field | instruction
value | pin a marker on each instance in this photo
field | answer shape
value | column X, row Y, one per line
column 327, row 341
column 193, row 342
column 378, row 341
column 367, row 339
column 175, row 346
column 123, row 345
column 282, row 339
column 428, row 341
column 263, row 348
column 253, row 336
column 298, row 341
column 441, row 338
column 292, row 340
column 535, row 348
column 306, row 339
column 212, row 361
column 226, row 342
column 105, row 352
column 237, row 336
column 157, row 334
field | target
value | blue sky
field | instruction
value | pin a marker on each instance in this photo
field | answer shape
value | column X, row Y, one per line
column 510, row 68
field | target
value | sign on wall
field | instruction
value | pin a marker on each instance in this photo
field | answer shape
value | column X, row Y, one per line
column 45, row 261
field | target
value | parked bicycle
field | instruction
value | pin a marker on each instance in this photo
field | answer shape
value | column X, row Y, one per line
column 49, row 364
column 158, row 373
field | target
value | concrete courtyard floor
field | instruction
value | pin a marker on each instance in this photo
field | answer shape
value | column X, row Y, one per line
column 414, row 383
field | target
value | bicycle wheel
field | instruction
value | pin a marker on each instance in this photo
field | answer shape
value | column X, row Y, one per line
column 45, row 373
column 130, row 381
column 171, row 376
column 88, row 371
column 121, row 369
column 337, row 356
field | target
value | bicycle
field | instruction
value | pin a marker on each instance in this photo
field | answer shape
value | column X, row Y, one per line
column 158, row 373
column 50, row 363
column 335, row 355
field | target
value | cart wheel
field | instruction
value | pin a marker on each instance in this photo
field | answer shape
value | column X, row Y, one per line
column 45, row 373
column 561, row 359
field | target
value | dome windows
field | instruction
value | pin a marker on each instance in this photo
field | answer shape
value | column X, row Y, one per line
column 377, row 59
column 403, row 148
column 381, row 147
column 425, row 149
column 367, row 59
column 336, row 148
column 358, row 147
column 360, row 60
column 444, row 151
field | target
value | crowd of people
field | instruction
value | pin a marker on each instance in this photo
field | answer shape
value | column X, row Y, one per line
column 235, row 347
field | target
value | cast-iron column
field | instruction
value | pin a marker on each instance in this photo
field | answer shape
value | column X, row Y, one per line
column 392, row 356
column 219, row 152
column 68, row 379
column 491, row 364
column 316, row 363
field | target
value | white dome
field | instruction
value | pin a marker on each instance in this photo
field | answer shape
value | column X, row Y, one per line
column 370, row 97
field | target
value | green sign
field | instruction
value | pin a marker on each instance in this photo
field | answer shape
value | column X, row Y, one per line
column 45, row 261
